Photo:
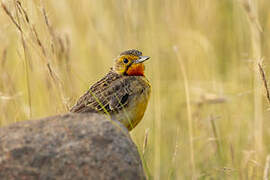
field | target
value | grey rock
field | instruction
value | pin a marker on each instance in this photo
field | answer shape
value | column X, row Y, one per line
column 69, row 146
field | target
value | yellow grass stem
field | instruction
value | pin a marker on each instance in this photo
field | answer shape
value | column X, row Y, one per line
column 157, row 118
column 266, row 168
column 189, row 114
column 156, row 84
column 255, row 32
column 26, row 68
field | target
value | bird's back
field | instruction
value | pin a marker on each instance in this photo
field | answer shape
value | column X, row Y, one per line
column 123, row 97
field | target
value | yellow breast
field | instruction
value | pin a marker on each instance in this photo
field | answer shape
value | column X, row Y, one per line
column 133, row 113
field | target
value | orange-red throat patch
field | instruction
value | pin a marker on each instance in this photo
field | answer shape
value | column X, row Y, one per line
column 136, row 70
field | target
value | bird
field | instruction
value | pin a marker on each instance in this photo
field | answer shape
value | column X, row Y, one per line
column 123, row 93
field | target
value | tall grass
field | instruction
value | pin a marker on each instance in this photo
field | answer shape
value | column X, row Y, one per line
column 208, row 114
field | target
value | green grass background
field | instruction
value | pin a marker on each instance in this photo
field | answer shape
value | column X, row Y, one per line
column 208, row 115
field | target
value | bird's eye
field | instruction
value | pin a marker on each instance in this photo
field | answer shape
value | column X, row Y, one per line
column 125, row 61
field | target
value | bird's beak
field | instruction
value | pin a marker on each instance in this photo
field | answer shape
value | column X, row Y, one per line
column 142, row 59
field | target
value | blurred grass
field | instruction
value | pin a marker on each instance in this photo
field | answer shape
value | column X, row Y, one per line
column 216, row 43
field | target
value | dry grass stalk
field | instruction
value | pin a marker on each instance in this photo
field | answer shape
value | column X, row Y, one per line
column 51, row 31
column 56, row 79
column 189, row 112
column 4, row 57
column 59, row 50
column 264, row 81
column 266, row 168
column 11, row 17
column 158, row 118
column 255, row 35
column 232, row 153
column 208, row 98
column 39, row 42
column 26, row 58
column 32, row 28
column 26, row 66
column 67, row 47
column 215, row 133
column 26, row 61
column 250, row 10
column 62, row 49
column 145, row 141
column 176, row 147
column 22, row 11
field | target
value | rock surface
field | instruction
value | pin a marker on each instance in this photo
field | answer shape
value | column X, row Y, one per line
column 69, row 146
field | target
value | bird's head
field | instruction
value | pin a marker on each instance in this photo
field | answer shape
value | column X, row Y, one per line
column 130, row 63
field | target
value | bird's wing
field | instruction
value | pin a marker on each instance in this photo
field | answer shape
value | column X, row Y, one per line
column 110, row 94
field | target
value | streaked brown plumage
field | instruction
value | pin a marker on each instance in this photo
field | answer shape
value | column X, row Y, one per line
column 123, row 92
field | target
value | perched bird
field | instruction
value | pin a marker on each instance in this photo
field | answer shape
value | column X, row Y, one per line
column 123, row 93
